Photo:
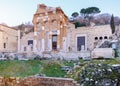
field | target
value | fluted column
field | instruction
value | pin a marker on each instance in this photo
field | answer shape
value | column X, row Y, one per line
column 35, row 39
column 58, row 34
column 50, row 35
column 43, row 38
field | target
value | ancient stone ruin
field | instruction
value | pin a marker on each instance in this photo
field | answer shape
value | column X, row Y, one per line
column 37, row 81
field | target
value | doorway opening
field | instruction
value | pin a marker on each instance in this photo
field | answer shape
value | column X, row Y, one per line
column 54, row 42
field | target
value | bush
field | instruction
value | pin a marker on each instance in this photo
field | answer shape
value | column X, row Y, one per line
column 37, row 57
column 116, row 53
column 78, row 24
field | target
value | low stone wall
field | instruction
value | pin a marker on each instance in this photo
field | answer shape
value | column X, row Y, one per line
column 103, row 52
column 74, row 55
column 37, row 81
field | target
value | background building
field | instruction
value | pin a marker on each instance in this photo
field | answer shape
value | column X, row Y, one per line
column 8, row 39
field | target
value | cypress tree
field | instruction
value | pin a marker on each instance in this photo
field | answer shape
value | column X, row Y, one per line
column 112, row 24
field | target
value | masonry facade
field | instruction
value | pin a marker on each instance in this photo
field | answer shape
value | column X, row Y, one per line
column 8, row 39
column 50, row 26
column 54, row 34
column 88, row 38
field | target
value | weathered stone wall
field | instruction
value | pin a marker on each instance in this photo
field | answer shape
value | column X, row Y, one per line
column 37, row 81
column 103, row 53
column 46, row 81
column 102, row 32
column 8, row 37
column 24, row 42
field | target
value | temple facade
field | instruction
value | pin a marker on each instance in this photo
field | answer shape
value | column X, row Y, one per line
column 50, row 29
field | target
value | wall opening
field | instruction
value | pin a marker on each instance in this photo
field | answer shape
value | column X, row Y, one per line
column 4, row 45
column 54, row 42
column 80, row 43
column 30, row 42
column 96, row 38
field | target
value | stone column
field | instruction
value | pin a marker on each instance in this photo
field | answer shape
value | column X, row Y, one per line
column 35, row 39
column 61, row 36
column 43, row 38
column 58, row 41
column 58, row 34
column 64, row 39
column 50, row 36
column 19, row 44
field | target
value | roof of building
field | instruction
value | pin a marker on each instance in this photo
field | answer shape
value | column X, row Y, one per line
column 7, row 26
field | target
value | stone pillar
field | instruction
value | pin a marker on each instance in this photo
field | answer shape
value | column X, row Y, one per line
column 43, row 38
column 50, row 42
column 35, row 39
column 19, row 45
column 61, row 36
column 50, row 37
column 64, row 39
column 64, row 44
column 58, row 34
column 58, row 40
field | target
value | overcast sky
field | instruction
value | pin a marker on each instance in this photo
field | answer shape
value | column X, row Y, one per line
column 14, row 12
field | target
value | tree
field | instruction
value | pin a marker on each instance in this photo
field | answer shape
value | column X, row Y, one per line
column 79, row 24
column 112, row 24
column 83, row 12
column 87, row 13
column 75, row 14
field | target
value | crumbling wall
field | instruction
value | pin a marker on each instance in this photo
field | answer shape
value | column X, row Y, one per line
column 37, row 81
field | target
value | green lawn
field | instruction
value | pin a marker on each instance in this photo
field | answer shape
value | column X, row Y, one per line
column 17, row 68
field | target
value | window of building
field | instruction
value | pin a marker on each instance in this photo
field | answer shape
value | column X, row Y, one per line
column 110, row 37
column 54, row 42
column 105, row 37
column 96, row 38
column 30, row 42
column 80, row 43
column 4, row 45
column 101, row 38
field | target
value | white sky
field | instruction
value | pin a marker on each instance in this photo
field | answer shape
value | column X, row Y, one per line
column 14, row 12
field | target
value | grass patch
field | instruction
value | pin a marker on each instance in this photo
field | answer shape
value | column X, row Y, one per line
column 15, row 68
column 53, row 70
column 19, row 68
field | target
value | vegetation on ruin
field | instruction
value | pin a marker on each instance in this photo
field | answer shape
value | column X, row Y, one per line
column 51, row 68
column 95, row 70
